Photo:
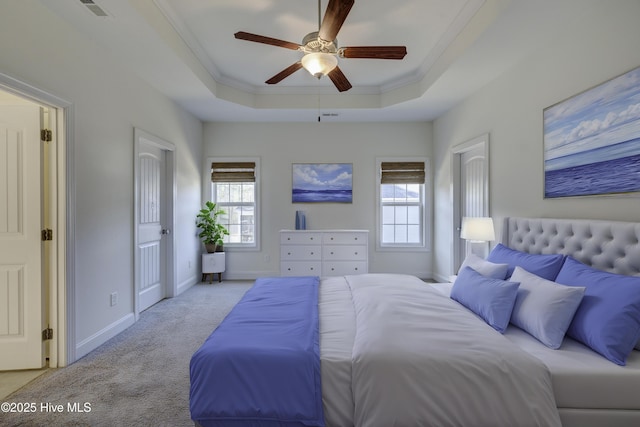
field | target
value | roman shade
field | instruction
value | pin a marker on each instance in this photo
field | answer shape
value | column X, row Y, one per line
column 402, row 173
column 233, row 172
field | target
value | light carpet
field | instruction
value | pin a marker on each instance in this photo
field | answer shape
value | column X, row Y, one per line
column 138, row 378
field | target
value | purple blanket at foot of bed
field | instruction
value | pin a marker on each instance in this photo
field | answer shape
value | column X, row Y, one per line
column 261, row 366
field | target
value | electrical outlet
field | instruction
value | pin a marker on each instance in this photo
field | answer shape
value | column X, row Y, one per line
column 267, row 258
column 114, row 298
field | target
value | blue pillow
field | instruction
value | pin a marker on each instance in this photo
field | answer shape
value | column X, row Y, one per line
column 544, row 308
column 546, row 266
column 608, row 319
column 491, row 299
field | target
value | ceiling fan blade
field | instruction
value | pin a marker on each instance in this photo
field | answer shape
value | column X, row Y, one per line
column 284, row 73
column 374, row 52
column 241, row 35
column 339, row 80
column 336, row 13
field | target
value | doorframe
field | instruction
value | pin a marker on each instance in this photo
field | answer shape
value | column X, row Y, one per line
column 170, row 197
column 457, row 151
column 62, row 349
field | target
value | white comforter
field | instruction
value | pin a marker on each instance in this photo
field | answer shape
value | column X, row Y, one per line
column 421, row 359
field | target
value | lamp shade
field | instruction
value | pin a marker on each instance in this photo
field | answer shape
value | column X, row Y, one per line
column 477, row 229
column 319, row 64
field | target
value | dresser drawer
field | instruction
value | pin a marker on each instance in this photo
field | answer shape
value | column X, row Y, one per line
column 342, row 268
column 345, row 238
column 323, row 252
column 300, row 252
column 344, row 252
column 300, row 268
column 300, row 238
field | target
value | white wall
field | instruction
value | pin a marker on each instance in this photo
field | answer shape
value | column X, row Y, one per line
column 602, row 45
column 109, row 101
column 280, row 144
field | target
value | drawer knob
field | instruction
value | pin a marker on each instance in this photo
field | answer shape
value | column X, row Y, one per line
column 311, row 268
column 356, row 268
column 288, row 238
column 332, row 269
column 356, row 253
column 288, row 253
column 331, row 252
column 356, row 238
column 332, row 238
column 289, row 269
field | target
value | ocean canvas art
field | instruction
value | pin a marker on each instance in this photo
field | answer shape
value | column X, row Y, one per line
column 322, row 182
column 592, row 140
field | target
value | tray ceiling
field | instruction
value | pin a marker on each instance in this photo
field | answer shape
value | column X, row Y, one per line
column 186, row 50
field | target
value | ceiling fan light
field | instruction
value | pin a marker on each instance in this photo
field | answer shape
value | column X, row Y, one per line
column 319, row 64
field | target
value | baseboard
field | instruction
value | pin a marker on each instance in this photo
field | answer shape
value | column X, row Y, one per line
column 442, row 278
column 424, row 275
column 96, row 340
column 186, row 284
column 253, row 275
column 248, row 275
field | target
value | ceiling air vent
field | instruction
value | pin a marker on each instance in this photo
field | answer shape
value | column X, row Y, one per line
column 93, row 7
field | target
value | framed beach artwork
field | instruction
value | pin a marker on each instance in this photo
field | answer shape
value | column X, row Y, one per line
column 322, row 182
column 592, row 140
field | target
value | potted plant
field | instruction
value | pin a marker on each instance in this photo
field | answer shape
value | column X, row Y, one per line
column 211, row 231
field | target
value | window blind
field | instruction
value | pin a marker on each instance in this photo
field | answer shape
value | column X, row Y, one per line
column 233, row 172
column 402, row 173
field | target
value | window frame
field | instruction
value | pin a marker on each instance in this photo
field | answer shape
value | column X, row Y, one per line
column 425, row 211
column 210, row 194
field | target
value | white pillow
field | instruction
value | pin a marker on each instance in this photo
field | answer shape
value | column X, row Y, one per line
column 484, row 267
column 544, row 308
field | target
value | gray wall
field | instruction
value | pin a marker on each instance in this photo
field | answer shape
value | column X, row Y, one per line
column 603, row 44
column 280, row 144
column 40, row 49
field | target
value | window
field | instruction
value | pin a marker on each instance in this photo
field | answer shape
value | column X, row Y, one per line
column 234, row 189
column 402, row 205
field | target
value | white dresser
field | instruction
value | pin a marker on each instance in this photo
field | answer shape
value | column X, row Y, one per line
column 324, row 252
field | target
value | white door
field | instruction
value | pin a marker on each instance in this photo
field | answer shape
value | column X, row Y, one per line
column 151, row 250
column 21, row 295
column 471, row 190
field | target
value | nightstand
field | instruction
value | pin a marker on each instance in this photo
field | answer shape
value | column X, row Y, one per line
column 213, row 263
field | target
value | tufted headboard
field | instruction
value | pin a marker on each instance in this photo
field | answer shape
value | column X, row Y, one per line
column 611, row 246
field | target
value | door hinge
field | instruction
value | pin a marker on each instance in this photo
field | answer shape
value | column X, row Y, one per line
column 47, row 334
column 47, row 234
column 46, row 135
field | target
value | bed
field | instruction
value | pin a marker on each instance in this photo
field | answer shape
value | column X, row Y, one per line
column 395, row 351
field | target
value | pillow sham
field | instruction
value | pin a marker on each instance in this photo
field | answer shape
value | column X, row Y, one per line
column 546, row 266
column 484, row 267
column 544, row 308
column 608, row 319
column 491, row 299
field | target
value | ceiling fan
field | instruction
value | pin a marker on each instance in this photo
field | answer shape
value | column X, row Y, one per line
column 321, row 49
